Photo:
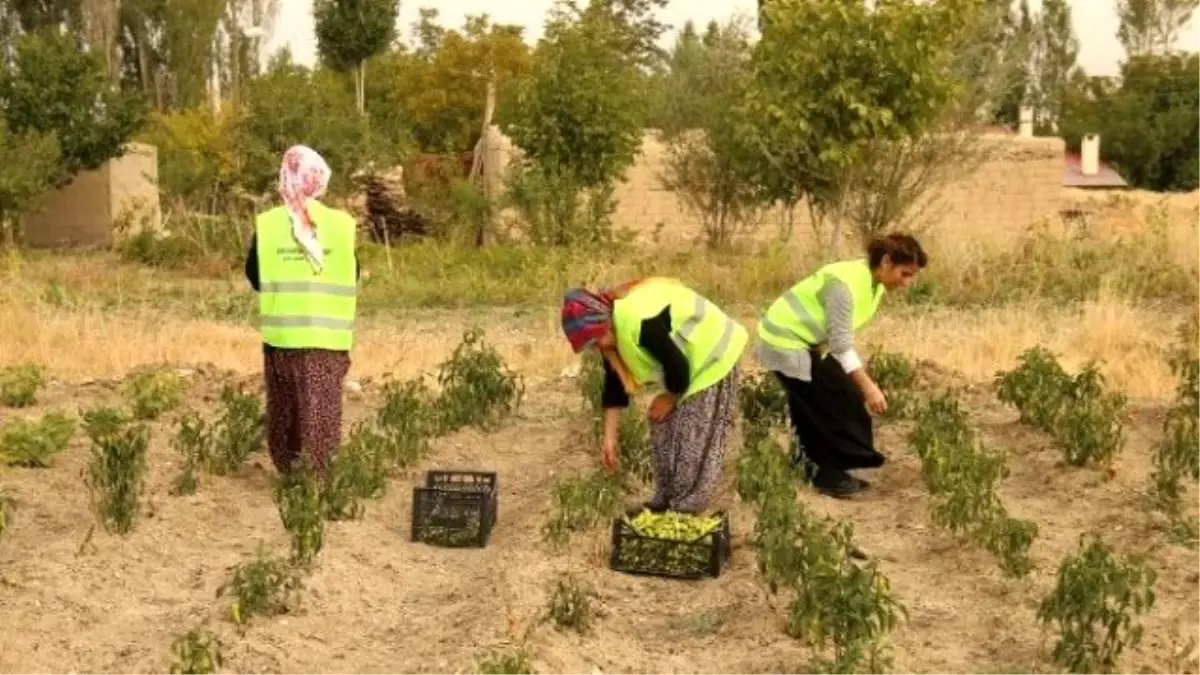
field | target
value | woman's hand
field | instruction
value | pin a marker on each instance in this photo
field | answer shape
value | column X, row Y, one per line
column 661, row 407
column 874, row 398
column 611, row 462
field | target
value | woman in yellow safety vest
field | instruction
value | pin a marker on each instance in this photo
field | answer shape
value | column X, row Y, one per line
column 662, row 332
column 806, row 339
column 303, row 264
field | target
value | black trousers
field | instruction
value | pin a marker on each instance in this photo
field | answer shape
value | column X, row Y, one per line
column 829, row 417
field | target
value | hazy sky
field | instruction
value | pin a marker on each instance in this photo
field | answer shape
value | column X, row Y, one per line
column 1095, row 23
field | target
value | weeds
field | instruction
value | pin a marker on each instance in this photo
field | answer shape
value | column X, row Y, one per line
column 196, row 652
column 633, row 446
column 262, row 587
column 117, row 473
column 1077, row 412
column 580, row 503
column 301, row 503
column 153, row 392
column 477, row 387
column 962, row 475
column 19, row 384
column 571, row 605
column 1095, row 607
column 34, row 444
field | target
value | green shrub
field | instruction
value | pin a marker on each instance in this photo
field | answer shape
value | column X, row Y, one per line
column 19, row 384
column 34, row 444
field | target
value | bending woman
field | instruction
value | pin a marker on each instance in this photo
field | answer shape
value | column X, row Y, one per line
column 807, row 339
column 658, row 331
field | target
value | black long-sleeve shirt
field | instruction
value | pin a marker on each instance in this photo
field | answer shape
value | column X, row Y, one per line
column 656, row 339
column 252, row 265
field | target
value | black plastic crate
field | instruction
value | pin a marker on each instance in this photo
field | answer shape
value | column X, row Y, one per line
column 455, row 508
column 634, row 553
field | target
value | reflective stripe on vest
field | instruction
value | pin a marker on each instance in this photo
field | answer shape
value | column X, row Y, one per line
column 711, row 341
column 298, row 307
column 796, row 320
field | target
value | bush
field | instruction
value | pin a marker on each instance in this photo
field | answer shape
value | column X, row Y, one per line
column 571, row 605
column 897, row 378
column 153, row 392
column 764, row 405
column 19, row 385
column 1177, row 455
column 117, row 473
column 580, row 503
column 356, row 473
column 192, row 441
column 196, row 652
column 264, row 586
column 238, row 431
column 478, row 389
column 405, row 423
column 301, row 502
column 34, row 444
column 505, row 662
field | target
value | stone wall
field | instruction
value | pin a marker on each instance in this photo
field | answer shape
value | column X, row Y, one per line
column 1020, row 183
column 85, row 212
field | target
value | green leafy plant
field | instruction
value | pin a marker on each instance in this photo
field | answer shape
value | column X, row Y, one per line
column 265, row 586
column 1035, row 388
column 196, row 652
column 962, row 476
column 477, row 388
column 356, row 473
column 19, row 384
column 34, row 444
column 193, row 442
column 301, row 502
column 512, row 661
column 633, row 446
column 581, row 502
column 1090, row 428
column 117, row 472
column 405, row 422
column 238, row 432
column 6, row 509
column 1178, row 453
column 760, row 467
column 570, row 605
column 764, row 405
column 153, row 392
column 1095, row 607
column 897, row 377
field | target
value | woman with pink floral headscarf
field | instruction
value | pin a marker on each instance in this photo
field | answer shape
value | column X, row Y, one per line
column 303, row 265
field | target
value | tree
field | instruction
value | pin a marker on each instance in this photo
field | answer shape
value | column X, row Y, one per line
column 1152, row 26
column 706, row 82
column 813, row 114
column 577, row 118
column 32, row 166
column 351, row 31
column 1055, row 53
column 1017, row 55
column 51, row 87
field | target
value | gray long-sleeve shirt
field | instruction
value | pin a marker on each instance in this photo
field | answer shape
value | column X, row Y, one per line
column 838, row 301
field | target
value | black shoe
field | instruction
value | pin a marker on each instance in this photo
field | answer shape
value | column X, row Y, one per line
column 653, row 507
column 835, row 483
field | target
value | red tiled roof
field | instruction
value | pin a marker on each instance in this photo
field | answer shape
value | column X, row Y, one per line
column 1105, row 177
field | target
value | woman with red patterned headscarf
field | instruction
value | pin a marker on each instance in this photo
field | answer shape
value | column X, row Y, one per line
column 658, row 331
column 303, row 264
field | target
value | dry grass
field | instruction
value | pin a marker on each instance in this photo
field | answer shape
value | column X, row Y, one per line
column 89, row 316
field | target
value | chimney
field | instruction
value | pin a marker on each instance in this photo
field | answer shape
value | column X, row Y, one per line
column 1089, row 160
column 1026, row 128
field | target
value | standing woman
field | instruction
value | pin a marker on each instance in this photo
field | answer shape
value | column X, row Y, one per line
column 658, row 331
column 807, row 339
column 302, row 262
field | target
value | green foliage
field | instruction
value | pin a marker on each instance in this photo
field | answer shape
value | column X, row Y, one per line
column 6, row 509
column 1148, row 122
column 351, row 31
column 52, row 87
column 264, row 586
column 116, row 476
column 198, row 160
column 581, row 502
column 193, row 443
column 34, row 444
column 897, row 378
column 19, row 384
column 1095, row 606
column 505, row 662
column 478, row 389
column 301, row 502
column 357, row 472
column 962, row 475
column 1055, row 51
column 404, row 423
column 577, row 118
column 762, row 465
column 153, row 392
column 1083, row 418
column 238, row 431
column 33, row 159
column 570, row 605
column 764, row 405
column 810, row 112
column 1177, row 455
column 196, row 652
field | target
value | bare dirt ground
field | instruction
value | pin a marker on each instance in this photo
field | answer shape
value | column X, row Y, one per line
column 379, row 603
